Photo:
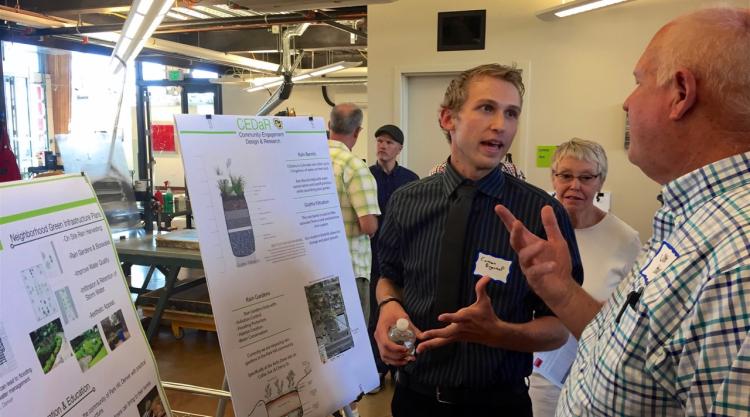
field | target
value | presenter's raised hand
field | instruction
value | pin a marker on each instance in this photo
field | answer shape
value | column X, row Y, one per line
column 476, row 323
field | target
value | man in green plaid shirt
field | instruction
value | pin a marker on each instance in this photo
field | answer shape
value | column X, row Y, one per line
column 358, row 193
column 674, row 338
column 358, row 197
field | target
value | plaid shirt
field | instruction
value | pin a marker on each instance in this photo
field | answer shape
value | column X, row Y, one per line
column 683, row 348
column 358, row 196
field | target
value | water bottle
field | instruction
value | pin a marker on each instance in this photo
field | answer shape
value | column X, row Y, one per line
column 168, row 199
column 402, row 335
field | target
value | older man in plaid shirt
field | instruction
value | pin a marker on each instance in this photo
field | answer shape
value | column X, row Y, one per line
column 358, row 197
column 674, row 338
column 358, row 193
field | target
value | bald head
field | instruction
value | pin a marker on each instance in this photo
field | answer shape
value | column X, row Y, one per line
column 345, row 118
column 714, row 45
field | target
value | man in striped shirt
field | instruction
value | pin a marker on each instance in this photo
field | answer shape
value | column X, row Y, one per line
column 485, row 374
column 674, row 338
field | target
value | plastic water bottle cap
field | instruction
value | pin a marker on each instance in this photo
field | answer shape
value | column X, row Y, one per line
column 402, row 324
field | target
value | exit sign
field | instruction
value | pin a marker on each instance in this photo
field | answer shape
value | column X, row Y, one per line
column 175, row 75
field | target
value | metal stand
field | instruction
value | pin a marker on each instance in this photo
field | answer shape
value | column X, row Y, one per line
column 222, row 401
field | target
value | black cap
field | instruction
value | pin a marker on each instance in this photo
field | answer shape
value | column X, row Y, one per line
column 392, row 131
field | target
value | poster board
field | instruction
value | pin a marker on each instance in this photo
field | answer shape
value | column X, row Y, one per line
column 287, row 312
column 70, row 341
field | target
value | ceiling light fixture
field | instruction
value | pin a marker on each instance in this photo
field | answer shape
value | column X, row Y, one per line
column 143, row 19
column 576, row 7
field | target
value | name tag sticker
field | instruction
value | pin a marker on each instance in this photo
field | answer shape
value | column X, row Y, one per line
column 661, row 261
column 495, row 268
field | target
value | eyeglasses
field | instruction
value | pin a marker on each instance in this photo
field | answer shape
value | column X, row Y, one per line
column 585, row 179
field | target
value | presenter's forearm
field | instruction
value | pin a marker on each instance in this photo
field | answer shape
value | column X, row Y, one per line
column 387, row 288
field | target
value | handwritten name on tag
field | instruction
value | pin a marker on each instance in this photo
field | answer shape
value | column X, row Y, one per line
column 661, row 261
column 495, row 268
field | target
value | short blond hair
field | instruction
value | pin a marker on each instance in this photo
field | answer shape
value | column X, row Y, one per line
column 458, row 89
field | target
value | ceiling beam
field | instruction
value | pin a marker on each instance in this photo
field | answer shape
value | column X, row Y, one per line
column 58, row 7
column 233, row 23
column 316, row 37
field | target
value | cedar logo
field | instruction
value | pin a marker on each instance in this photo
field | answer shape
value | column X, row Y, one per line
column 253, row 124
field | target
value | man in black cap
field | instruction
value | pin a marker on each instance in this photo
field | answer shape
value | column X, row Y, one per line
column 389, row 176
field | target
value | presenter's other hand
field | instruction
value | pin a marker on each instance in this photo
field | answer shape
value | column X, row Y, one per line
column 392, row 353
column 476, row 323
column 545, row 263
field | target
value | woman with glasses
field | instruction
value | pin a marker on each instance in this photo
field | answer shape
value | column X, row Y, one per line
column 608, row 248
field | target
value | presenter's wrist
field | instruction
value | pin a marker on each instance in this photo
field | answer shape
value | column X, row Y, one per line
column 389, row 299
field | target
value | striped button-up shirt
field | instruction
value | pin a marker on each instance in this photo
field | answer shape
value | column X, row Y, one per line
column 409, row 249
column 683, row 349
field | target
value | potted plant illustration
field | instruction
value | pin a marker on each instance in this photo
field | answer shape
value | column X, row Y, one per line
column 236, row 215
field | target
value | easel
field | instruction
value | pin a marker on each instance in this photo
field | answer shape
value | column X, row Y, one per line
column 223, row 395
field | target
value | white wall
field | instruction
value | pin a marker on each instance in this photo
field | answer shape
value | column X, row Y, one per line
column 579, row 73
column 306, row 101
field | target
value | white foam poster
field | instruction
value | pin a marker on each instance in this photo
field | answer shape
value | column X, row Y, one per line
column 70, row 340
column 287, row 312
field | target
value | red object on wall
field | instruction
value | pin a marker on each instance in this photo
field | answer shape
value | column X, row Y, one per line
column 162, row 138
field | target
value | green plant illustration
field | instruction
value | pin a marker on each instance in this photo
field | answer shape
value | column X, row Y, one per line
column 234, row 186
column 238, row 185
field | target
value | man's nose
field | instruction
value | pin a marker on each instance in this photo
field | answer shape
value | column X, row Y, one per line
column 498, row 122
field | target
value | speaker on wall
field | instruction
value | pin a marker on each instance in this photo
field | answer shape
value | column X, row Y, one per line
column 461, row 30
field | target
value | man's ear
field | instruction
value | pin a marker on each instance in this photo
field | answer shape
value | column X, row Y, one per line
column 357, row 131
column 446, row 119
column 685, row 93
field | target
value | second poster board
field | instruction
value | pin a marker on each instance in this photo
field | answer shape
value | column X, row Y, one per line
column 291, row 328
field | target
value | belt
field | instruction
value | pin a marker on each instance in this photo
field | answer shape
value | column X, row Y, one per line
column 457, row 395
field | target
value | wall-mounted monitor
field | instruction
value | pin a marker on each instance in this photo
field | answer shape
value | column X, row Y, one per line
column 461, row 30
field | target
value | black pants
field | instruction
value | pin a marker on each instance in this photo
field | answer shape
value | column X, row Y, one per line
column 407, row 403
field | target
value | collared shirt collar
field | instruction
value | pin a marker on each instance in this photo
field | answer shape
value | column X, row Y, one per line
column 337, row 144
column 491, row 184
column 379, row 167
column 684, row 194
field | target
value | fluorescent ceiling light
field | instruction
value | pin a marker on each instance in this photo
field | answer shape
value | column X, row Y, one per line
column 264, row 86
column 261, row 83
column 143, row 6
column 143, row 19
column 165, row 8
column 134, row 25
column 327, row 70
column 576, row 7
